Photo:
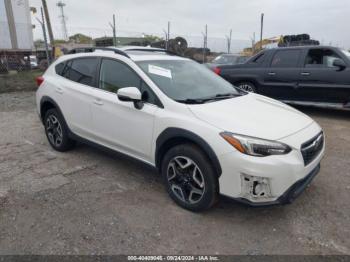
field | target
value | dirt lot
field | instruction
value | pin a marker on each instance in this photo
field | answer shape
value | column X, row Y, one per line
column 90, row 202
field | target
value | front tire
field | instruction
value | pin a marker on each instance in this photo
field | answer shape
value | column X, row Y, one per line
column 190, row 178
column 57, row 131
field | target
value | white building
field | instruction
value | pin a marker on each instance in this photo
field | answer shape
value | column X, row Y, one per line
column 16, row 32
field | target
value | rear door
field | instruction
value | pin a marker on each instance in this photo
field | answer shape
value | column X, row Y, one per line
column 282, row 75
column 76, row 92
column 320, row 81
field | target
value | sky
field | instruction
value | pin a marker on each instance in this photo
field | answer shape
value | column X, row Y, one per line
column 325, row 20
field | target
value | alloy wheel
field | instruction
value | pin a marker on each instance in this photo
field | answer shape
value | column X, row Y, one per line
column 247, row 88
column 54, row 130
column 186, row 179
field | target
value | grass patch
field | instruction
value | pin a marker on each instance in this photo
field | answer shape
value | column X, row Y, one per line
column 21, row 81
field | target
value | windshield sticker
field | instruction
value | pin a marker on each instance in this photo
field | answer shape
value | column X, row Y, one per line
column 160, row 71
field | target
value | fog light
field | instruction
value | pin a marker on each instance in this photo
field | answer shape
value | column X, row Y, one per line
column 255, row 188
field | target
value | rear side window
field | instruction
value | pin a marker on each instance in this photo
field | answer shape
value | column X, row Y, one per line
column 286, row 58
column 59, row 68
column 259, row 59
column 81, row 70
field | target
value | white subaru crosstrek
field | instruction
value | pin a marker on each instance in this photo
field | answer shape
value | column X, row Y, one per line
column 205, row 136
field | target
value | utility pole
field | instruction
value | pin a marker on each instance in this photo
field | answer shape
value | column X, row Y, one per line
column 261, row 30
column 167, row 36
column 229, row 41
column 48, row 22
column 42, row 23
column 61, row 5
column 167, row 43
column 112, row 25
column 253, row 43
column 205, row 44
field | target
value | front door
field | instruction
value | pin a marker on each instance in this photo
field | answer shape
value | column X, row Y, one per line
column 117, row 124
column 320, row 81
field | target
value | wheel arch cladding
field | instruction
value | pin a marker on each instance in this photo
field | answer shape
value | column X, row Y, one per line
column 46, row 104
column 176, row 136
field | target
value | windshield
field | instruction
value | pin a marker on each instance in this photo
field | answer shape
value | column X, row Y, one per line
column 225, row 59
column 347, row 53
column 184, row 80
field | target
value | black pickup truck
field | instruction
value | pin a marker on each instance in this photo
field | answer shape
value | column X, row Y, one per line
column 309, row 75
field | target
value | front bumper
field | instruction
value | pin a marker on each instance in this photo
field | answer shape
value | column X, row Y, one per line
column 281, row 178
column 290, row 195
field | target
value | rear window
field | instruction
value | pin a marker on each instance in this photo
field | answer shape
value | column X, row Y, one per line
column 286, row 58
column 81, row 70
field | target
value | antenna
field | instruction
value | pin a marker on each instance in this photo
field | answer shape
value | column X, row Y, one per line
column 60, row 4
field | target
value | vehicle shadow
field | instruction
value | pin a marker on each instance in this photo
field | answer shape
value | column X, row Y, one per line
column 149, row 174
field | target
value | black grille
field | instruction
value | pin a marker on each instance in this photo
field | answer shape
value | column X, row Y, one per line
column 312, row 148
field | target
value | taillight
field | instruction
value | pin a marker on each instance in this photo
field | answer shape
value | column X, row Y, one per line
column 217, row 70
column 39, row 80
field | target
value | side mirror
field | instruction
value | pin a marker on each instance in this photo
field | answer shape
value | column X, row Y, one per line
column 340, row 64
column 131, row 94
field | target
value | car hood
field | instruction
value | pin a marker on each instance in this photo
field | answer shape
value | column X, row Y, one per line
column 253, row 115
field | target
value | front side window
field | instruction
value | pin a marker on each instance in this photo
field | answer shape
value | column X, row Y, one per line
column 318, row 58
column 258, row 59
column 115, row 75
column 81, row 70
column 286, row 58
column 184, row 80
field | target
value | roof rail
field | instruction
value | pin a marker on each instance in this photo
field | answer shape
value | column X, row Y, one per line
column 92, row 49
column 152, row 50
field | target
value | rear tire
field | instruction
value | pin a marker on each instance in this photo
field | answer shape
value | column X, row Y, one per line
column 247, row 86
column 56, row 131
column 190, row 178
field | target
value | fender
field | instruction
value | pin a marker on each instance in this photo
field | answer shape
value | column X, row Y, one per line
column 45, row 99
column 177, row 133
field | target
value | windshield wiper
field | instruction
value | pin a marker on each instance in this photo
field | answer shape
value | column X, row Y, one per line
column 208, row 99
column 191, row 101
column 222, row 96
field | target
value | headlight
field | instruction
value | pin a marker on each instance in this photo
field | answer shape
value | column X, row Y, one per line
column 255, row 146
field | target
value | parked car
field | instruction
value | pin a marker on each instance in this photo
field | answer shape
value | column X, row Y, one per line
column 204, row 136
column 227, row 59
column 311, row 75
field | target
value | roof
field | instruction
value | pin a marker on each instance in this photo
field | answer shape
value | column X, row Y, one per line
column 301, row 47
column 135, row 53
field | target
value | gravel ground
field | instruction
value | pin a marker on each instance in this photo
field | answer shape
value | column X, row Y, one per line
column 90, row 202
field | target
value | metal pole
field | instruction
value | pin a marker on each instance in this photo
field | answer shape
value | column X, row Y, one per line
column 229, row 40
column 114, row 32
column 261, row 30
column 42, row 22
column 166, row 39
column 168, row 36
column 112, row 25
column 48, row 22
column 205, row 44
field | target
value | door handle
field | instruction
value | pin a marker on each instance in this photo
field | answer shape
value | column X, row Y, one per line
column 59, row 90
column 305, row 73
column 98, row 102
column 272, row 74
